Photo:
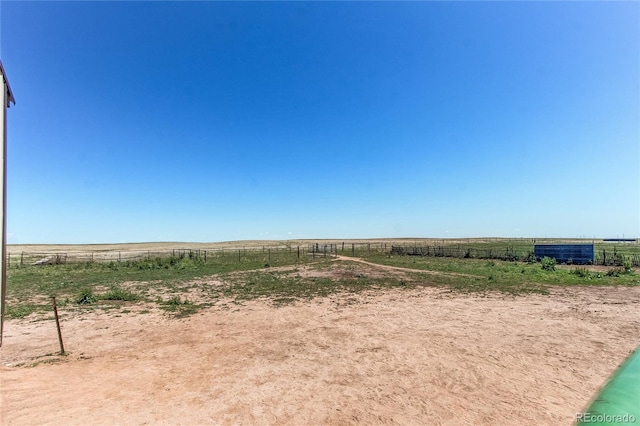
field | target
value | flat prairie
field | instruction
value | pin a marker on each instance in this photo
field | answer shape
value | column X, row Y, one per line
column 159, row 246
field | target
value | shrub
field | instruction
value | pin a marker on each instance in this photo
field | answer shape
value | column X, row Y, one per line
column 613, row 272
column 85, row 297
column 548, row 263
column 627, row 266
column 582, row 272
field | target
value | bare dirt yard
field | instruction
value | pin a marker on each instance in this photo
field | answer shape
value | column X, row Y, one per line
column 386, row 356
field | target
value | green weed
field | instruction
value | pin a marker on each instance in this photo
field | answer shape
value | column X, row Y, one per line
column 85, row 297
column 548, row 263
column 582, row 273
column 117, row 293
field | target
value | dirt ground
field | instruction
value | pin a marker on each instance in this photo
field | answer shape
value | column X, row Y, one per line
column 422, row 356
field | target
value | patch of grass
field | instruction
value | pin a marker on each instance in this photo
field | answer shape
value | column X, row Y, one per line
column 495, row 275
column 619, row 272
column 501, row 281
column 118, row 293
column 283, row 288
column 29, row 287
column 20, row 310
column 583, row 273
column 180, row 308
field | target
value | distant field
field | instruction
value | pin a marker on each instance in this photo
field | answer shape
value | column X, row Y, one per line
column 28, row 253
column 521, row 243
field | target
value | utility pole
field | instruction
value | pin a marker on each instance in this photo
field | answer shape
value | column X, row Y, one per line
column 6, row 98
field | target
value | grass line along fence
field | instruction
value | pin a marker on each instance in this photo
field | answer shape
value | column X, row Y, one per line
column 606, row 254
column 602, row 257
column 267, row 254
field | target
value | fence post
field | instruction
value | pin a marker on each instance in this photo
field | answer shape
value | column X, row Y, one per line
column 298, row 252
column 21, row 259
column 205, row 256
column 238, row 255
column 353, row 250
column 118, row 256
column 55, row 312
column 269, row 257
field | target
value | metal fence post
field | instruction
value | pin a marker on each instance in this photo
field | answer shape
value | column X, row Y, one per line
column 55, row 312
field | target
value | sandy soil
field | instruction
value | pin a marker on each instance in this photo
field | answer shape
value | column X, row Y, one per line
column 423, row 356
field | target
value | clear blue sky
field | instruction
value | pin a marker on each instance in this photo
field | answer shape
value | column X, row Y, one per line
column 207, row 121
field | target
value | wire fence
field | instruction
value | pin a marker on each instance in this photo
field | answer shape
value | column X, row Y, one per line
column 494, row 248
column 47, row 258
column 602, row 257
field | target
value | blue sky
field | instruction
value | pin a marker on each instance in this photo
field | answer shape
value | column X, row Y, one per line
column 210, row 121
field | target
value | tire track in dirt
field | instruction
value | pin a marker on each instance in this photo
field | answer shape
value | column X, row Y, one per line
column 333, row 259
column 400, row 268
